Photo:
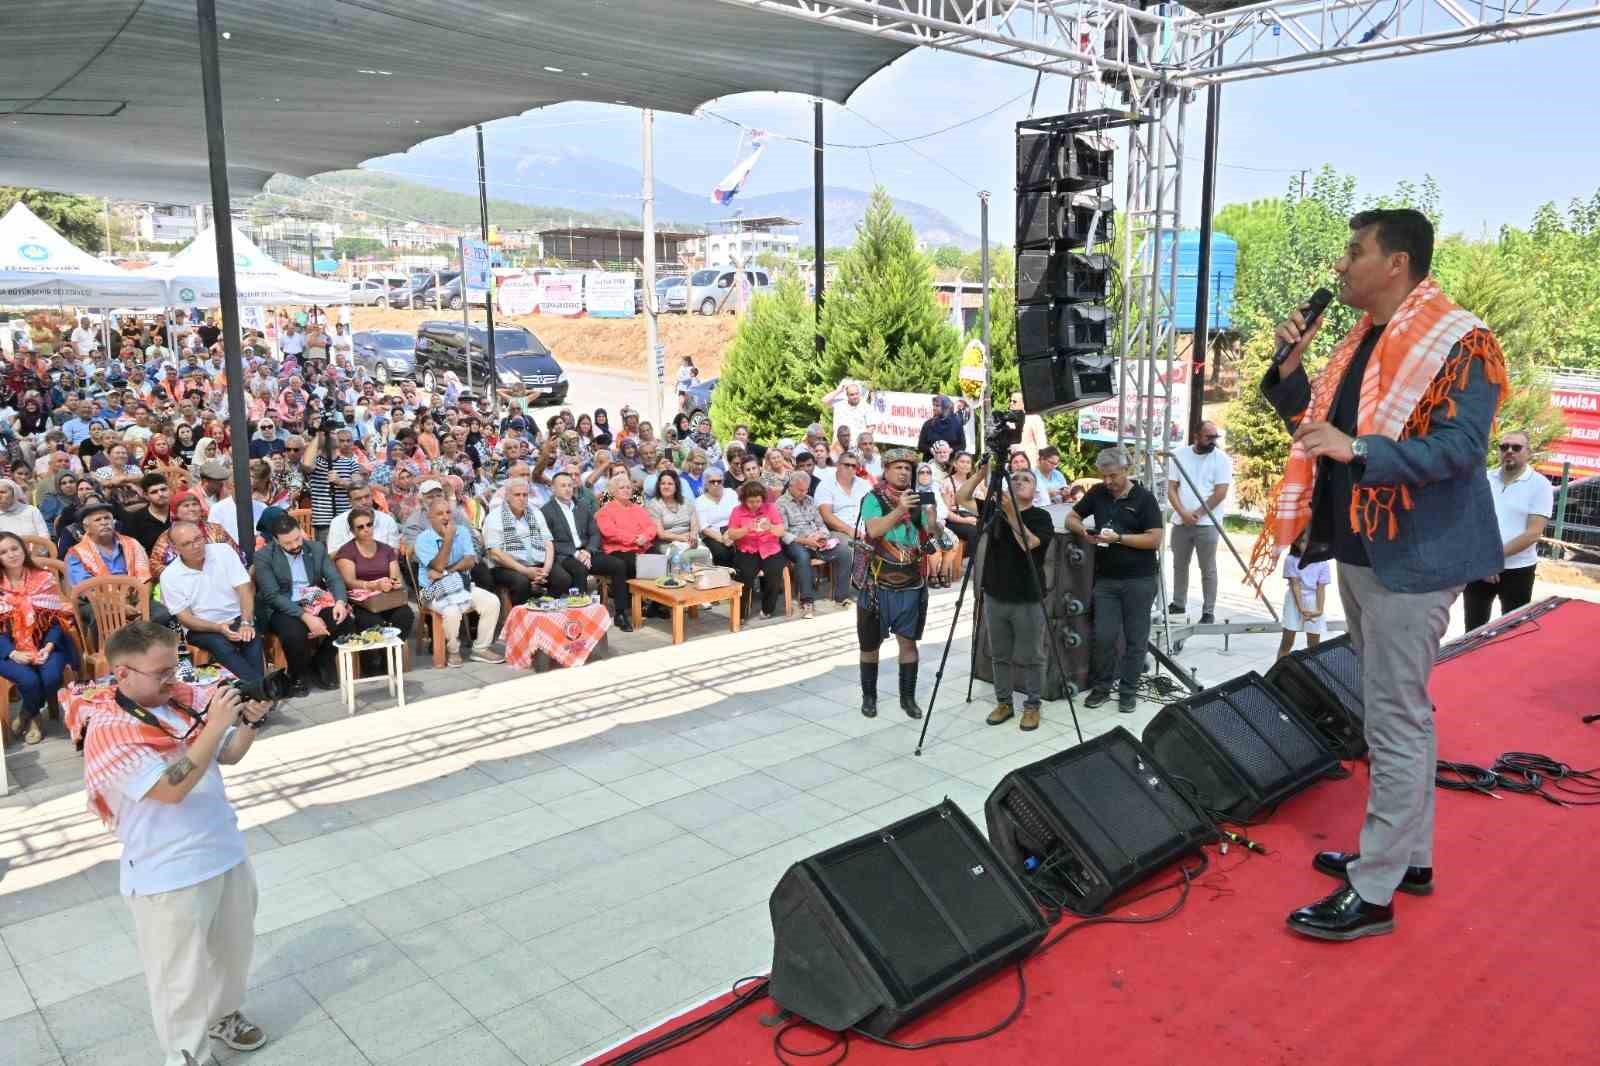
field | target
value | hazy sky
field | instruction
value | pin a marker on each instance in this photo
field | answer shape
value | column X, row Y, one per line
column 1503, row 128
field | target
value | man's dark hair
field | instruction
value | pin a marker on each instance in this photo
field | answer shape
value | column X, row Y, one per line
column 151, row 480
column 1400, row 229
column 284, row 523
column 136, row 638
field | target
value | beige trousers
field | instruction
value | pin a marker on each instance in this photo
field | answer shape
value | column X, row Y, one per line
column 196, row 944
column 487, row 604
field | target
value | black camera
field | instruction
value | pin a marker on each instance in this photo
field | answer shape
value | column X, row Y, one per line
column 1004, row 431
column 330, row 422
column 269, row 689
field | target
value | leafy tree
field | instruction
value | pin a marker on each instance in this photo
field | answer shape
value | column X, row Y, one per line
column 949, row 257
column 770, row 379
column 80, row 219
column 358, row 246
column 1563, row 254
column 880, row 318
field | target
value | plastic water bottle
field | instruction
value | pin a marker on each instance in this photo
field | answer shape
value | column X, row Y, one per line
column 675, row 565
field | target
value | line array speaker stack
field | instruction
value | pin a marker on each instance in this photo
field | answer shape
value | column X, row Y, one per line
column 1068, row 586
column 1324, row 685
column 1092, row 821
column 1240, row 747
column 874, row 932
column 1064, row 225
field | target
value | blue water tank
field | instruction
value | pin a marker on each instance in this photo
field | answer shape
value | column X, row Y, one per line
column 1224, row 264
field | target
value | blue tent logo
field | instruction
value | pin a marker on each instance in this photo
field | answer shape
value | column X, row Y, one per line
column 186, row 295
column 33, row 251
column 241, row 260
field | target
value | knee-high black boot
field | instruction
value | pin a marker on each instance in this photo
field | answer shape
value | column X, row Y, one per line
column 869, row 688
column 908, row 690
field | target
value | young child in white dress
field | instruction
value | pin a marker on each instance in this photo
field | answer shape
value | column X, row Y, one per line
column 1304, row 599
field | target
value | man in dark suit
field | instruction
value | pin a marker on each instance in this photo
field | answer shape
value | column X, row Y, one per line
column 577, row 541
column 301, row 598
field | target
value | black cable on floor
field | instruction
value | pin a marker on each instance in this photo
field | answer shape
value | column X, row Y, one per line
column 682, row 1034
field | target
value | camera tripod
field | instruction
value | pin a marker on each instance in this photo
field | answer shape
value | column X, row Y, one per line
column 989, row 519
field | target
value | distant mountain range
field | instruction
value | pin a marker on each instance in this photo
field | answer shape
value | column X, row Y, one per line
column 566, row 179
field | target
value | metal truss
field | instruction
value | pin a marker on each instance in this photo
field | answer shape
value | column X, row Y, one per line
column 1077, row 37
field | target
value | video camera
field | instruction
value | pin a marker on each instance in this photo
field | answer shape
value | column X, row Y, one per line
column 271, row 688
column 1003, row 431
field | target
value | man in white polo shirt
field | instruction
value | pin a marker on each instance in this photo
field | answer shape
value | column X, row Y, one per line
column 839, row 496
column 150, row 769
column 211, row 593
column 1195, row 528
column 1523, row 502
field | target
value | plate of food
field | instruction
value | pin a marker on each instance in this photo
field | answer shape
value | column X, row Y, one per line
column 576, row 601
column 364, row 638
column 546, row 603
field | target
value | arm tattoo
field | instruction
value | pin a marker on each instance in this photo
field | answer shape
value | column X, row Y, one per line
column 178, row 771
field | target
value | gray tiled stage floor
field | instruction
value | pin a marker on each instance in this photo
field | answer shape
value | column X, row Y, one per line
column 516, row 869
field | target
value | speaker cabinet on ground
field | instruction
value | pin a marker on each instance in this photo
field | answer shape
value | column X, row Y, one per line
column 1068, row 587
column 1094, row 820
column 1240, row 747
column 876, row 931
column 1324, row 684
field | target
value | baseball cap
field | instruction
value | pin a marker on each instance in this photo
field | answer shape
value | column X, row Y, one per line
column 216, row 470
column 430, row 485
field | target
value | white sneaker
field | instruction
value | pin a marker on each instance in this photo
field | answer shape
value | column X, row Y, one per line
column 238, row 1032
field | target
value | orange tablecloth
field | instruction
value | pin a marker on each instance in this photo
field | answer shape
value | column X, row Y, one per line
column 567, row 635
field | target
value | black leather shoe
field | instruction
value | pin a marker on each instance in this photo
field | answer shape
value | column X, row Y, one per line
column 1176, row 608
column 1418, row 880
column 911, row 708
column 298, row 689
column 1208, row 618
column 623, row 622
column 1098, row 697
column 869, row 706
column 1342, row 916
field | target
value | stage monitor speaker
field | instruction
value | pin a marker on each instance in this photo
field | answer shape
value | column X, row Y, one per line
column 1239, row 746
column 1324, row 685
column 1092, row 821
column 1065, row 380
column 1075, row 277
column 871, row 933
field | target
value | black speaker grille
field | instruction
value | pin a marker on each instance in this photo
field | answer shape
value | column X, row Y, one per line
column 1339, row 670
column 1265, row 743
column 1118, row 815
column 922, row 917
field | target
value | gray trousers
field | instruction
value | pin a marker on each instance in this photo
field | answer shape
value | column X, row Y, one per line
column 839, row 558
column 1199, row 539
column 1121, row 609
column 1397, row 635
column 1016, row 645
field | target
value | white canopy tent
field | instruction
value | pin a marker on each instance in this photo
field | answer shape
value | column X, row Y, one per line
column 191, row 277
column 41, row 268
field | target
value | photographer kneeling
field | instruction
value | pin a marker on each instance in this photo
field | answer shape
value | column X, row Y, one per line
column 1013, row 607
column 1127, row 533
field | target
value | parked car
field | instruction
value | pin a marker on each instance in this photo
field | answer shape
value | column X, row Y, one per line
column 662, row 285
column 448, row 285
column 709, row 291
column 370, row 292
column 387, row 354
column 700, row 396
column 519, row 356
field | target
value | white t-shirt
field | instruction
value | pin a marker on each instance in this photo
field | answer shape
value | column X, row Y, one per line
column 854, row 417
column 846, row 504
column 1530, row 494
column 85, row 340
column 714, row 514
column 209, row 593
column 225, row 514
column 1206, row 471
column 167, row 846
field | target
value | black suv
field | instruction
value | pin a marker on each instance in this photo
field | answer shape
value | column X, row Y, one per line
column 442, row 346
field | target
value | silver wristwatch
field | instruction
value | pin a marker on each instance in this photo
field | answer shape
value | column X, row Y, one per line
column 1358, row 449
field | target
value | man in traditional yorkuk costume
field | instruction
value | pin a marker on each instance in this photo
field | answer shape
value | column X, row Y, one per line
column 1386, row 475
column 151, row 747
column 893, row 597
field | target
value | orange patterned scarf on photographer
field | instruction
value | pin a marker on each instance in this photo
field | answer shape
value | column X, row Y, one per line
column 1408, row 377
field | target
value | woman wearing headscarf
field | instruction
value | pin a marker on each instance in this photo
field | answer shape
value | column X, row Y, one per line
column 33, row 418
column 17, row 515
column 62, row 495
column 158, row 454
column 602, row 428
column 187, row 507
column 452, row 388
column 35, row 649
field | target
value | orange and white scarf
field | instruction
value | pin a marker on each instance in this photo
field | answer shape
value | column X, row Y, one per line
column 118, row 745
column 29, row 610
column 133, row 556
column 1408, row 377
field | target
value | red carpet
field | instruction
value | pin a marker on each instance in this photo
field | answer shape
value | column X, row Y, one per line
column 1499, row 965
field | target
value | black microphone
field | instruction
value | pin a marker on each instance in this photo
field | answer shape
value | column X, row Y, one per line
column 1313, row 309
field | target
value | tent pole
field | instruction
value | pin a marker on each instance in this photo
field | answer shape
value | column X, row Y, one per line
column 227, row 283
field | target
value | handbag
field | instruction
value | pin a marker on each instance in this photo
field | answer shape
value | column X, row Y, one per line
column 449, row 584
column 379, row 602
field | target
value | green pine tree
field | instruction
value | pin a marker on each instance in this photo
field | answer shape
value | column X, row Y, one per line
column 880, row 318
column 769, row 378
column 80, row 219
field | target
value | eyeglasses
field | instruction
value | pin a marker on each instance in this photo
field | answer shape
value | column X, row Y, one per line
column 359, row 526
column 850, row 466
column 1511, row 447
column 169, row 674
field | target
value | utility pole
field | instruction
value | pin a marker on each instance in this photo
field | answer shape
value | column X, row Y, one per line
column 1200, row 337
column 986, row 395
column 655, row 359
column 488, row 297
column 817, row 221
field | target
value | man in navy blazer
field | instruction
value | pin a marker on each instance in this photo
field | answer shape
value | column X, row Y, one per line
column 289, row 573
column 577, row 540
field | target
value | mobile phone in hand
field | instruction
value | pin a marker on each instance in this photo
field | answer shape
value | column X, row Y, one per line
column 925, row 497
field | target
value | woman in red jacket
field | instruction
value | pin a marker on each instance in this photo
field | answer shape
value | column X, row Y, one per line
column 755, row 528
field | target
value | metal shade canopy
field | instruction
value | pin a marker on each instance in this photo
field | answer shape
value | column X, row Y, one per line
column 101, row 96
